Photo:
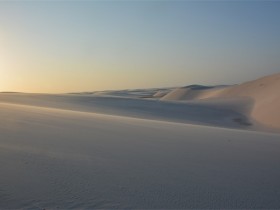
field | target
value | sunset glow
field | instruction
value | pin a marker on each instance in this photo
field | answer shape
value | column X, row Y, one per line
column 95, row 45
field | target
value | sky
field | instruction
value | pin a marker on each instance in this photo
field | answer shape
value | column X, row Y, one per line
column 72, row 46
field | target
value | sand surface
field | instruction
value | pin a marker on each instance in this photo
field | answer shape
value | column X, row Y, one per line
column 263, row 95
column 141, row 149
column 54, row 158
column 203, row 114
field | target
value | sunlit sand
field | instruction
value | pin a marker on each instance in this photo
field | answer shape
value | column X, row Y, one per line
column 190, row 147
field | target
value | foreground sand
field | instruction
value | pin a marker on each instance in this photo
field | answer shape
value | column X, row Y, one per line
column 191, row 147
column 56, row 153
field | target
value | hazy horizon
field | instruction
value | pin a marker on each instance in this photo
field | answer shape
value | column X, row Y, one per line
column 75, row 46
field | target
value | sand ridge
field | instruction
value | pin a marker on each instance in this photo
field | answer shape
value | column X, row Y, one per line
column 264, row 93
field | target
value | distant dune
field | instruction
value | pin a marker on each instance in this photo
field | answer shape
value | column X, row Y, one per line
column 195, row 147
column 193, row 92
column 263, row 95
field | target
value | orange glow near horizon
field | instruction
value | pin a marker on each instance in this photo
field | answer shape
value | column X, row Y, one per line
column 76, row 46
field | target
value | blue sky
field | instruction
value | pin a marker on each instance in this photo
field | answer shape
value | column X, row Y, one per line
column 63, row 46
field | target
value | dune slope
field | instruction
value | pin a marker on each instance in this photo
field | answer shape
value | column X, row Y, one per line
column 140, row 108
column 53, row 158
column 264, row 94
column 193, row 92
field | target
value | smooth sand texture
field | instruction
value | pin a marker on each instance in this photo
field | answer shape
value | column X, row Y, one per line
column 129, row 149
column 263, row 94
column 188, row 93
column 205, row 114
column 53, row 158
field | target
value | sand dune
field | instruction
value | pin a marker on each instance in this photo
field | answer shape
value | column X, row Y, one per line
column 128, row 149
column 60, row 159
column 263, row 94
column 194, row 93
column 134, row 93
column 161, row 93
column 204, row 114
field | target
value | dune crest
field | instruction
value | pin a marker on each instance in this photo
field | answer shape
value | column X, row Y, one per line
column 193, row 92
column 264, row 92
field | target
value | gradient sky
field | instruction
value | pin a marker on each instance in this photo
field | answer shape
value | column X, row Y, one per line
column 65, row 46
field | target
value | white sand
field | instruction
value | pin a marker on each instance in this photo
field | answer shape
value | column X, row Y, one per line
column 188, row 93
column 262, row 94
column 53, row 158
column 117, row 150
column 205, row 114
column 265, row 96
